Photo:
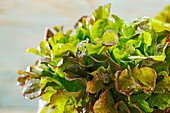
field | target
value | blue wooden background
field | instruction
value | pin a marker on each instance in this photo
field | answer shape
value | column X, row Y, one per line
column 22, row 25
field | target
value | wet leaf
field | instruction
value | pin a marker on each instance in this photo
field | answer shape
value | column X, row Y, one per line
column 32, row 88
column 21, row 79
column 99, row 81
column 80, row 54
column 75, row 71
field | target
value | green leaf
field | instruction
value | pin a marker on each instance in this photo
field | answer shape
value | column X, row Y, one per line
column 129, row 31
column 134, row 43
column 56, row 110
column 140, row 100
column 59, row 38
column 65, row 62
column 48, row 93
column 124, row 82
column 43, row 45
column 58, row 28
column 69, row 108
column 60, row 99
column 52, row 43
column 102, row 12
column 145, row 37
column 141, row 21
column 112, row 68
column 33, row 50
column 153, row 47
column 44, row 106
column 91, row 49
column 145, row 77
column 43, row 83
column 109, row 38
column 63, row 48
column 158, row 66
column 105, row 103
column 118, row 22
column 163, row 84
column 73, row 39
column 130, row 50
column 69, row 32
column 164, row 16
column 167, row 59
column 120, row 54
column 159, row 27
column 80, row 54
column 81, row 33
column 160, row 100
column 71, row 86
column 45, row 80
column 97, row 28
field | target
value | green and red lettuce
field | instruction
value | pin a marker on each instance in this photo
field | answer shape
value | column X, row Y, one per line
column 106, row 65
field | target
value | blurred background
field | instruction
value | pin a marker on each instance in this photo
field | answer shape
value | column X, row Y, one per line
column 22, row 25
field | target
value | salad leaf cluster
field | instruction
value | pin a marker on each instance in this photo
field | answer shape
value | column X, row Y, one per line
column 104, row 65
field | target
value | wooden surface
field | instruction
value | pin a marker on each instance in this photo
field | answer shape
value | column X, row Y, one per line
column 22, row 25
